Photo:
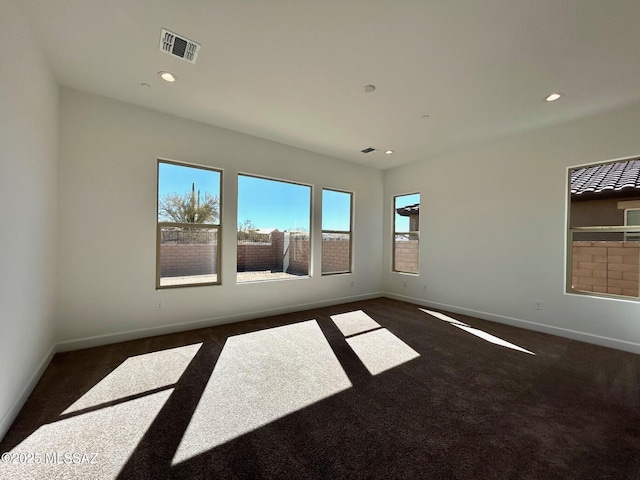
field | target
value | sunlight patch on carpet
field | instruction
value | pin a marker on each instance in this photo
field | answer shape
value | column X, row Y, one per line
column 444, row 317
column 139, row 374
column 93, row 445
column 261, row 377
column 474, row 331
column 493, row 339
column 351, row 323
column 381, row 350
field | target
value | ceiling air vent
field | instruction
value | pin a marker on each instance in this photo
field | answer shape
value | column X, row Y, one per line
column 179, row 46
column 368, row 150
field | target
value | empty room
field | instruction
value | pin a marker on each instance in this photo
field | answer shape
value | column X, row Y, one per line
column 359, row 239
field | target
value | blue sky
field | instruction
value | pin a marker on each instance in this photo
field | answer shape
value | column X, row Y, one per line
column 272, row 204
column 336, row 207
column 402, row 223
column 178, row 179
column 266, row 203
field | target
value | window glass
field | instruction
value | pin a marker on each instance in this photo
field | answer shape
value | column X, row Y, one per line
column 603, row 232
column 274, row 220
column 336, row 231
column 406, row 236
column 188, row 227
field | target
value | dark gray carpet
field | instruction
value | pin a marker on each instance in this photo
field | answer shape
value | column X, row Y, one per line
column 464, row 408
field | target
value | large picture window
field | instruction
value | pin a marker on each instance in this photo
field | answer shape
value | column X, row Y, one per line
column 188, row 228
column 406, row 233
column 274, row 221
column 603, row 235
column 336, row 231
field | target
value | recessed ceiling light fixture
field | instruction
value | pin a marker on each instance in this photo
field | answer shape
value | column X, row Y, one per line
column 167, row 76
column 369, row 88
column 552, row 97
column 388, row 152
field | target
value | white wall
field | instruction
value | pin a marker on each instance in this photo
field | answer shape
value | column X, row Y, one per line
column 28, row 197
column 107, row 219
column 493, row 230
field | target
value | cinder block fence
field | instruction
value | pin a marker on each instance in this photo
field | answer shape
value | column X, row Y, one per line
column 179, row 260
column 606, row 267
column 185, row 259
column 407, row 256
column 335, row 255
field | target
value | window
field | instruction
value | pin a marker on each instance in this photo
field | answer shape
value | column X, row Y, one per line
column 406, row 233
column 603, row 231
column 274, row 219
column 632, row 219
column 336, row 231
column 188, row 229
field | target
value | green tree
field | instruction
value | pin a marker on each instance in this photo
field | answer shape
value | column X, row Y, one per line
column 189, row 207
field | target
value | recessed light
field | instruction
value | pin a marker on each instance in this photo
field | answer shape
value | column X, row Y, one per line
column 552, row 97
column 369, row 88
column 145, row 85
column 167, row 76
column 388, row 152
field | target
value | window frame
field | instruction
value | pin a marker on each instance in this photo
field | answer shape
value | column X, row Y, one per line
column 209, row 226
column 571, row 231
column 350, row 232
column 311, row 243
column 410, row 232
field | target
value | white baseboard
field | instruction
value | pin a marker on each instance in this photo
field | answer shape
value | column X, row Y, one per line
column 11, row 414
column 526, row 324
column 106, row 339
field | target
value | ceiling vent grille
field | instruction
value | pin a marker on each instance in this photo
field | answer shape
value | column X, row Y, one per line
column 179, row 46
column 368, row 150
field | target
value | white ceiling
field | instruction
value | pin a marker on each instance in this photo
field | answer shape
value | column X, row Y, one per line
column 293, row 71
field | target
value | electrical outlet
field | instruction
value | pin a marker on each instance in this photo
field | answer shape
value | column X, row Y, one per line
column 159, row 305
column 353, row 284
column 537, row 304
column 404, row 284
column 424, row 287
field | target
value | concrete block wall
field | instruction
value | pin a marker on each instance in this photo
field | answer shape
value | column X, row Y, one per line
column 335, row 256
column 258, row 256
column 299, row 255
column 606, row 267
column 407, row 256
column 201, row 259
column 178, row 260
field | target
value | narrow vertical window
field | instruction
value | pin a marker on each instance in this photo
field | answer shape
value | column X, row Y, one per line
column 336, row 231
column 274, row 219
column 406, row 235
column 188, row 230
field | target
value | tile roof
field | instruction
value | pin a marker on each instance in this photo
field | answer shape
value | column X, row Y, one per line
column 606, row 178
column 409, row 210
